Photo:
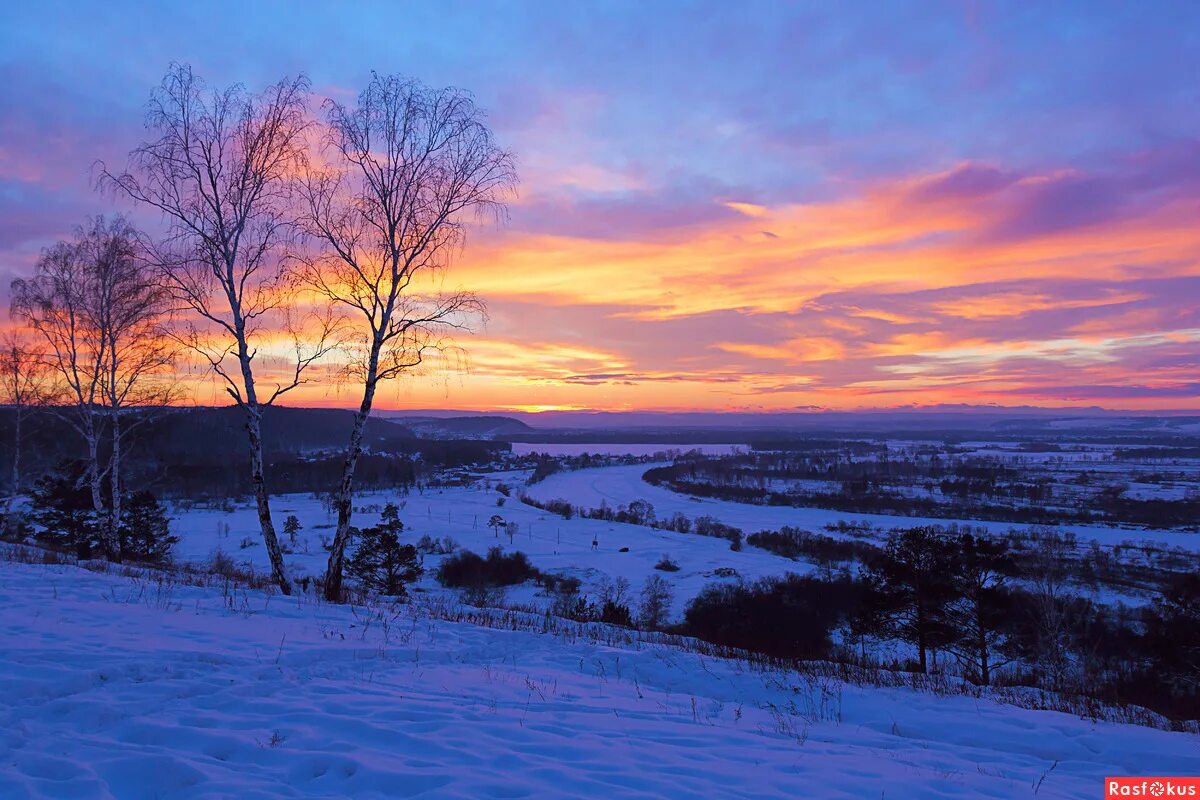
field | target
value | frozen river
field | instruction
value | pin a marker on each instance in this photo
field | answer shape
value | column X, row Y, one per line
column 622, row 484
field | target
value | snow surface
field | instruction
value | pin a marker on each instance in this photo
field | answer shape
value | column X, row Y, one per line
column 623, row 449
column 120, row 687
column 552, row 543
column 558, row 545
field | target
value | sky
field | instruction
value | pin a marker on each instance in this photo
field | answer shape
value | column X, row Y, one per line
column 752, row 206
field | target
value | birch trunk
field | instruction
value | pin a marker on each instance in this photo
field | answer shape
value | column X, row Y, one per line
column 113, row 520
column 96, row 484
column 263, row 500
column 258, row 478
column 345, row 494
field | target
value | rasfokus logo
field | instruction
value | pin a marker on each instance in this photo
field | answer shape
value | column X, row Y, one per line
column 1155, row 786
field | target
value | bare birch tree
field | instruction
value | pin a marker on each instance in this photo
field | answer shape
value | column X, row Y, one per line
column 404, row 168
column 100, row 310
column 222, row 171
column 54, row 303
column 131, row 308
column 24, row 387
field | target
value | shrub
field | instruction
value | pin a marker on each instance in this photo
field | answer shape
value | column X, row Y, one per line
column 441, row 547
column 615, row 613
column 639, row 512
column 666, row 564
column 15, row 528
column 571, row 606
column 678, row 522
column 796, row 543
column 467, row 569
column 556, row 506
column 220, row 563
column 559, row 583
column 708, row 526
column 544, row 469
column 789, row 617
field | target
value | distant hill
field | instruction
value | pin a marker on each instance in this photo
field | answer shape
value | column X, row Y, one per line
column 198, row 443
column 480, row 427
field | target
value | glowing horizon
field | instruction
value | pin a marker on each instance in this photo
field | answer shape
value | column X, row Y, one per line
column 766, row 211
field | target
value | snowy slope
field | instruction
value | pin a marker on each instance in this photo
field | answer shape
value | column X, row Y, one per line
column 552, row 543
column 126, row 688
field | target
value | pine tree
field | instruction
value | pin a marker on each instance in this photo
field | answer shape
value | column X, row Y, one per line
column 145, row 530
column 909, row 591
column 380, row 562
column 979, row 571
column 292, row 526
column 61, row 504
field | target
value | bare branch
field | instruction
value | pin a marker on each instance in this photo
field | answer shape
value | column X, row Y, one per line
column 221, row 169
column 405, row 167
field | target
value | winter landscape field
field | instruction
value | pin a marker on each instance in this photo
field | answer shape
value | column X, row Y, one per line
column 200, row 680
column 529, row 399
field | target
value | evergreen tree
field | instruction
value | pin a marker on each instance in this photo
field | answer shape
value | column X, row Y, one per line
column 978, row 574
column 291, row 526
column 380, row 562
column 61, row 504
column 1173, row 634
column 145, row 532
column 909, row 590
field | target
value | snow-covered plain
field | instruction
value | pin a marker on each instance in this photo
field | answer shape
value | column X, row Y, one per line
column 558, row 545
column 117, row 687
column 621, row 484
column 620, row 449
column 462, row 513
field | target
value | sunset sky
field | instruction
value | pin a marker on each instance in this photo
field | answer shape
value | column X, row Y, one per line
column 727, row 206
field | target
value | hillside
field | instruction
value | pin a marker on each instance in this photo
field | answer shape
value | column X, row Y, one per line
column 137, row 687
column 203, row 450
column 473, row 427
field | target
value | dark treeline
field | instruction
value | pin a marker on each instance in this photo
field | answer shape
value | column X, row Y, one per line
column 679, row 439
column 971, row 606
column 1164, row 453
column 641, row 512
column 200, row 453
column 829, row 446
column 1011, row 609
column 982, row 488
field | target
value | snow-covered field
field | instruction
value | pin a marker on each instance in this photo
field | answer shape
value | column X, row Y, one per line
column 123, row 688
column 558, row 545
column 462, row 513
column 621, row 484
column 619, row 449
